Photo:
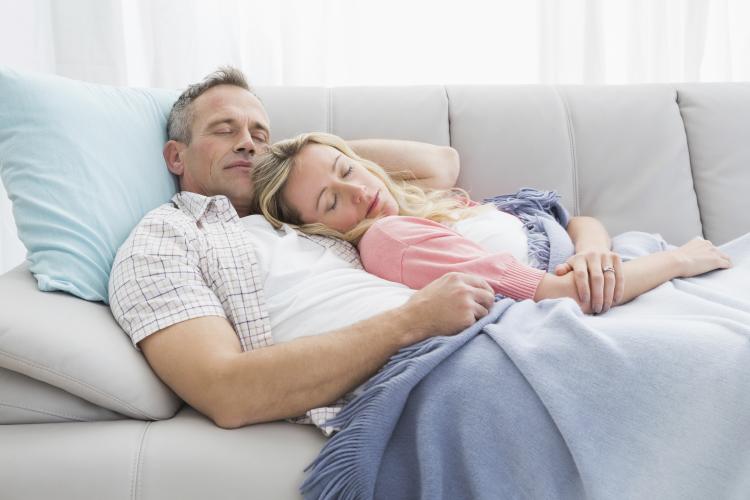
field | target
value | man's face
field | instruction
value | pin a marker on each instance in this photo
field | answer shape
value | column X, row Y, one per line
column 230, row 129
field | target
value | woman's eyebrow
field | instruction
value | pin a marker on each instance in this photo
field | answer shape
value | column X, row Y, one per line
column 333, row 169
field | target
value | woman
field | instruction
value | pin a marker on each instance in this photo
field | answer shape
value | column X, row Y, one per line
column 316, row 183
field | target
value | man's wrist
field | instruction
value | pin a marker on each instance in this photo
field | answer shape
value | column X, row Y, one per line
column 407, row 325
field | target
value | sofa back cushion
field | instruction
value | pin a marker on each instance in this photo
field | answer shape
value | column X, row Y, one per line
column 717, row 124
column 617, row 153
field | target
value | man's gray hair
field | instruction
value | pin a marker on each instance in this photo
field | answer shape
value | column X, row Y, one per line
column 180, row 118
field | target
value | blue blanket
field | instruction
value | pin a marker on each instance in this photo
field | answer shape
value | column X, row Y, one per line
column 537, row 400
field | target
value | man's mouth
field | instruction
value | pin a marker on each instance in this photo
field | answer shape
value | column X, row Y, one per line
column 239, row 164
column 374, row 203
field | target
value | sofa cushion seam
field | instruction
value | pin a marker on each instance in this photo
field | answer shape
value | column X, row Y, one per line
column 572, row 144
column 137, row 481
column 690, row 160
column 329, row 120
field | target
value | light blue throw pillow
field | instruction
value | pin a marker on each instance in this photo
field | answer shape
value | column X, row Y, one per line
column 81, row 163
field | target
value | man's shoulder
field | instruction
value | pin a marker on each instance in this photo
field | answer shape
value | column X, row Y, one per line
column 167, row 213
column 164, row 222
column 166, row 219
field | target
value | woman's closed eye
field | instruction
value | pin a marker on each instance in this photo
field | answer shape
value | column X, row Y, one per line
column 335, row 197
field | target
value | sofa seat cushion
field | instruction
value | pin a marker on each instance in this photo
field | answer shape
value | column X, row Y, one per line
column 186, row 457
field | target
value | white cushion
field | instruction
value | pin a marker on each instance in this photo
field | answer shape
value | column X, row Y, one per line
column 24, row 400
column 77, row 346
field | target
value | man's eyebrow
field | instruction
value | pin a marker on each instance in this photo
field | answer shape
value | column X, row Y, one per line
column 333, row 167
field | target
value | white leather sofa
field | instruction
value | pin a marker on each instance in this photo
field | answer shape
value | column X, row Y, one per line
column 672, row 159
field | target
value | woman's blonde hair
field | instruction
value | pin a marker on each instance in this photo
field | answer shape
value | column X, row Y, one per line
column 273, row 169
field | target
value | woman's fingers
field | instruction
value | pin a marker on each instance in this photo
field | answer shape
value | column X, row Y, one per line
column 562, row 269
column 619, row 280
column 596, row 265
column 581, row 275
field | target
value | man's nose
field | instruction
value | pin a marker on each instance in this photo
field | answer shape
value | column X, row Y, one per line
column 245, row 144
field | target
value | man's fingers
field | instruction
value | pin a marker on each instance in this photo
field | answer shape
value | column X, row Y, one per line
column 482, row 292
column 480, row 311
column 478, row 282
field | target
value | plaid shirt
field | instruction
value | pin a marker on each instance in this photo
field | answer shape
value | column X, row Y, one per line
column 192, row 258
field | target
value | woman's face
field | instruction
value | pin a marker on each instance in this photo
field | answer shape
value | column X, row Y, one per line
column 327, row 186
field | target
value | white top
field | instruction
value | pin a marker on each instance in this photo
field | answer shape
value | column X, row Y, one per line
column 497, row 232
column 309, row 289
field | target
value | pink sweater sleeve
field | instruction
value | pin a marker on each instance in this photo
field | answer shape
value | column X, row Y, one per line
column 416, row 251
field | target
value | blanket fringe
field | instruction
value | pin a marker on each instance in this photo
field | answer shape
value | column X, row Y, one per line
column 336, row 465
column 339, row 469
column 532, row 206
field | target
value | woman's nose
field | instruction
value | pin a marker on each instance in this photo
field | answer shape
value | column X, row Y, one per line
column 359, row 193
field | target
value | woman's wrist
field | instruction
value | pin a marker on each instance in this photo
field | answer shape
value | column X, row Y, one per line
column 555, row 287
column 677, row 262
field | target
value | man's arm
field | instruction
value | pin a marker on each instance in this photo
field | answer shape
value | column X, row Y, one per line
column 202, row 361
column 427, row 165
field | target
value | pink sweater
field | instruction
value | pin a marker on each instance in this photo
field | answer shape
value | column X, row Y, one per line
column 416, row 251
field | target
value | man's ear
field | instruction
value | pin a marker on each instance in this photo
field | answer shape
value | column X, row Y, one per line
column 173, row 157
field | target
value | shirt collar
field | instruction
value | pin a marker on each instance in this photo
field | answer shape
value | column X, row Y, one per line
column 206, row 208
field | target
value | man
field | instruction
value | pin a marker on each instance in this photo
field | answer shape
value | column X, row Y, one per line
column 185, row 285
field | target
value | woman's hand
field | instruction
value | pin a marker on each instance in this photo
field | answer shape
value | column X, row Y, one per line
column 599, row 279
column 700, row 256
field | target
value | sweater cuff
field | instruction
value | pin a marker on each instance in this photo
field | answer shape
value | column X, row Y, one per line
column 520, row 281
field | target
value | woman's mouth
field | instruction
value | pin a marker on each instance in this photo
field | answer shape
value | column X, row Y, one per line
column 374, row 204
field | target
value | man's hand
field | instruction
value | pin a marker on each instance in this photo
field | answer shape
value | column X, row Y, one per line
column 448, row 305
column 597, row 290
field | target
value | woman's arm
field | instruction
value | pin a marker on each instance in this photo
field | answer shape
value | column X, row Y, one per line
column 416, row 251
column 597, row 289
column 427, row 165
column 696, row 257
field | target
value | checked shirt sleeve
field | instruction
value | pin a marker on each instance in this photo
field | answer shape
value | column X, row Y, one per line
column 156, row 279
